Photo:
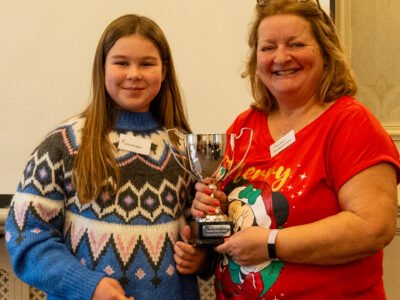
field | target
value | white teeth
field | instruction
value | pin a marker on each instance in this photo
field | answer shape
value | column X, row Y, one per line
column 287, row 72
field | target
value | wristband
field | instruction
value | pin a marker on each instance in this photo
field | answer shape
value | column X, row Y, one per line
column 271, row 244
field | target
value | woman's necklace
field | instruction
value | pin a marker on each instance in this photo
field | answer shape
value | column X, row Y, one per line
column 279, row 128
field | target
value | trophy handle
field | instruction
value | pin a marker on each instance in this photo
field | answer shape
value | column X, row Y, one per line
column 232, row 144
column 173, row 152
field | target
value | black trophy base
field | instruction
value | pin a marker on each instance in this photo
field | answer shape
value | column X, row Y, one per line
column 207, row 233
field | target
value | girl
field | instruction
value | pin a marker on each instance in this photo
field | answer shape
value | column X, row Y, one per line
column 98, row 209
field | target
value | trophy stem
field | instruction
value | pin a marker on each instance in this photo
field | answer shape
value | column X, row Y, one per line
column 213, row 189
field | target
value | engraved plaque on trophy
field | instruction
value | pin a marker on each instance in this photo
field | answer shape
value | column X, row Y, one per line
column 205, row 154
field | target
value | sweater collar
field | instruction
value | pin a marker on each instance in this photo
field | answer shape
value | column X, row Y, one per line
column 138, row 121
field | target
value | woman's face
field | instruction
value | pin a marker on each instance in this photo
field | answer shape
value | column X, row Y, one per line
column 133, row 73
column 289, row 59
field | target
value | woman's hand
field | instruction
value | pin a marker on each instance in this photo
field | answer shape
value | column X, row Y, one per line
column 246, row 247
column 365, row 225
column 203, row 204
column 189, row 259
column 109, row 289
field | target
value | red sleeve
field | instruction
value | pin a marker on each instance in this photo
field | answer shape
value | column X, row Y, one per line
column 358, row 142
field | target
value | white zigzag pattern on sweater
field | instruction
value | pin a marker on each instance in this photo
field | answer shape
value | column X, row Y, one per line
column 125, row 237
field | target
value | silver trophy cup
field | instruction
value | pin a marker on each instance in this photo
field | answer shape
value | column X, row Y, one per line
column 207, row 158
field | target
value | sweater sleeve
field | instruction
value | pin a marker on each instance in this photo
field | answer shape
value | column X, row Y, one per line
column 34, row 227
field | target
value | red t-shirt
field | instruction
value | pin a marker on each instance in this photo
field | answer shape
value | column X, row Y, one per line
column 299, row 186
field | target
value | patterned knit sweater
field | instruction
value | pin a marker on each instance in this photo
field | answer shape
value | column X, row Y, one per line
column 65, row 248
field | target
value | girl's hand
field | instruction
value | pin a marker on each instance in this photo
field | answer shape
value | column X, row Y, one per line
column 109, row 289
column 189, row 259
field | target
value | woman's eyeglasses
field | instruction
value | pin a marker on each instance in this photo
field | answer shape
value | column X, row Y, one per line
column 264, row 2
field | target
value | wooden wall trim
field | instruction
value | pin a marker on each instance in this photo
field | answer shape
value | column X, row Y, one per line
column 398, row 220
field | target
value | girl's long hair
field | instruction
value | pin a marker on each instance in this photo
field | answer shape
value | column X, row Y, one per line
column 95, row 168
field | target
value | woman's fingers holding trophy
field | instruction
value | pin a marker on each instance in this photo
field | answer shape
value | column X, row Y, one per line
column 200, row 209
column 209, row 180
column 204, row 204
column 222, row 201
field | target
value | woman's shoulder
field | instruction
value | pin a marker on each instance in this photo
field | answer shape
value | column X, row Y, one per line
column 249, row 116
column 250, row 112
column 351, row 122
column 349, row 104
column 349, row 109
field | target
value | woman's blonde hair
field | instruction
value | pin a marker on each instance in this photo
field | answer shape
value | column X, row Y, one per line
column 337, row 79
column 95, row 167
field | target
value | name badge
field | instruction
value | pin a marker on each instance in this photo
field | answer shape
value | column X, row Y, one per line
column 282, row 143
column 134, row 144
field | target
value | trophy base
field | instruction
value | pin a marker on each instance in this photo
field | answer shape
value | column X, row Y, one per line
column 207, row 233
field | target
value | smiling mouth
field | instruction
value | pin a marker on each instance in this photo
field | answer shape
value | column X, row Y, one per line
column 134, row 89
column 285, row 72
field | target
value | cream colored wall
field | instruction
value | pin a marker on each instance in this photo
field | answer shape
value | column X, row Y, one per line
column 375, row 55
column 46, row 55
column 370, row 31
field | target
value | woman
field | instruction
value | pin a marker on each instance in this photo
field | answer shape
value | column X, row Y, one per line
column 320, row 163
column 99, row 208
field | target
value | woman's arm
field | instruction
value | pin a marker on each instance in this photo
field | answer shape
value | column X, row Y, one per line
column 366, row 225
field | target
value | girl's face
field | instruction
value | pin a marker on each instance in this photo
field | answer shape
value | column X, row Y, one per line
column 289, row 59
column 133, row 73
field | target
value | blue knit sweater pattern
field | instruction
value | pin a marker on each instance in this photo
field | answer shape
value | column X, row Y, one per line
column 65, row 248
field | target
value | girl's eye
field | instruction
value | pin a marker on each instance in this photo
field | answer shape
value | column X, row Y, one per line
column 148, row 64
column 121, row 63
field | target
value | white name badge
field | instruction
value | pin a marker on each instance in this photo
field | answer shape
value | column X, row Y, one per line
column 134, row 144
column 282, row 143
